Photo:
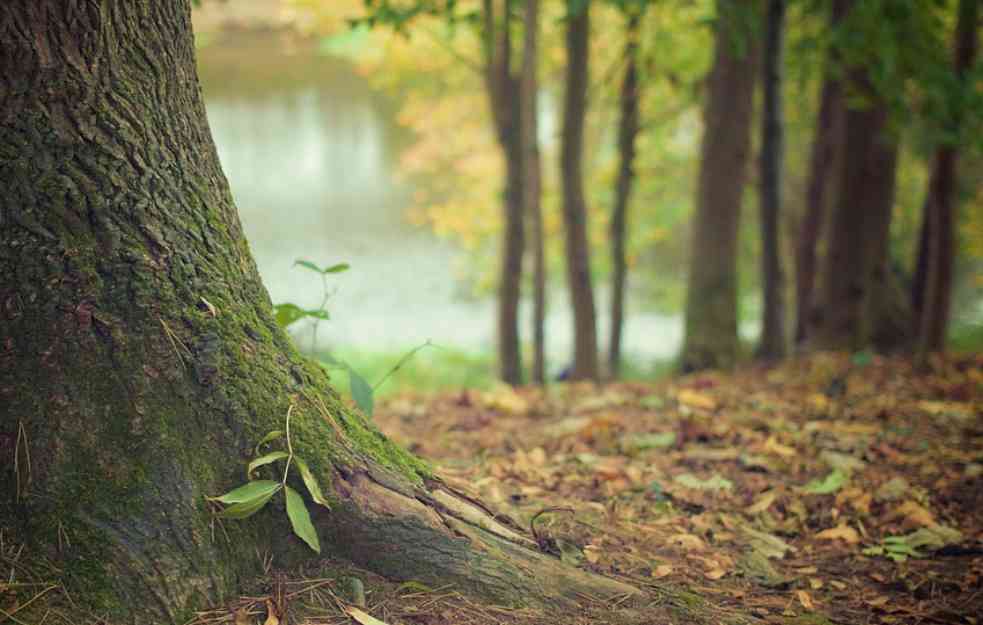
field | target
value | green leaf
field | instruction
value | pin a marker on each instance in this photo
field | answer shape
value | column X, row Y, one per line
column 245, row 509
column 270, row 436
column 830, row 484
column 362, row 392
column 288, row 313
column 273, row 456
column 248, row 492
column 306, row 264
column 318, row 313
column 311, row 483
column 340, row 267
column 300, row 519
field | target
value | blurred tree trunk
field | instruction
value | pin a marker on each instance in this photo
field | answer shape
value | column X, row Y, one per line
column 824, row 148
column 574, row 205
column 858, row 297
column 773, row 343
column 711, row 294
column 628, row 126
column 503, row 92
column 932, row 288
column 140, row 362
column 532, row 169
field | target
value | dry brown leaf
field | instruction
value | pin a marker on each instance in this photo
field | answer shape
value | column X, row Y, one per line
column 913, row 515
column 805, row 600
column 841, row 532
column 661, row 571
column 694, row 399
column 363, row 617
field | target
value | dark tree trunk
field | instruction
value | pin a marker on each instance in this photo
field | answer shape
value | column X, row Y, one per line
column 574, row 205
column 773, row 342
column 824, row 147
column 932, row 291
column 503, row 94
column 711, row 294
column 532, row 168
column 140, row 363
column 627, row 131
column 856, row 280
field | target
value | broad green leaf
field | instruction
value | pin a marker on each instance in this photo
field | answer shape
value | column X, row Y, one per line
column 270, row 436
column 362, row 393
column 300, row 519
column 245, row 509
column 340, row 267
column 830, row 484
column 273, row 456
column 311, row 482
column 248, row 492
column 288, row 313
column 318, row 313
column 306, row 264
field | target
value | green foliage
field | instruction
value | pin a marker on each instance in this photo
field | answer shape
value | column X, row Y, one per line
column 251, row 497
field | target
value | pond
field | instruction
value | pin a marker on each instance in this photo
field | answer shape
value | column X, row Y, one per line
column 310, row 151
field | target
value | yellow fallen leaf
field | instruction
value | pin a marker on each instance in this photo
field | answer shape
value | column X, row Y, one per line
column 661, row 571
column 696, row 400
column 815, row 583
column 805, row 600
column 689, row 542
column 762, row 503
column 271, row 617
column 773, row 446
column 592, row 553
column 362, row 617
column 841, row 532
column 715, row 573
column 914, row 515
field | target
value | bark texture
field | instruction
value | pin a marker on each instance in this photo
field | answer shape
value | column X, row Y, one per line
column 140, row 363
column 532, row 168
column 502, row 86
column 857, row 286
column 628, row 126
column 711, row 294
column 932, row 290
column 574, row 206
column 773, row 344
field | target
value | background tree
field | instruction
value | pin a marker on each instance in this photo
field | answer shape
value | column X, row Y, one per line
column 772, row 345
column 532, row 186
column 574, row 205
column 628, row 128
column 711, row 294
column 932, row 287
column 141, row 363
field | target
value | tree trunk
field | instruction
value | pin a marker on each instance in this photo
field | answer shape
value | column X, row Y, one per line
column 824, row 147
column 933, row 288
column 856, row 280
column 532, row 169
column 140, row 363
column 711, row 294
column 574, row 205
column 503, row 96
column 627, row 131
column 773, row 342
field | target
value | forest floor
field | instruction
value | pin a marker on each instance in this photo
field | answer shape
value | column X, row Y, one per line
column 830, row 489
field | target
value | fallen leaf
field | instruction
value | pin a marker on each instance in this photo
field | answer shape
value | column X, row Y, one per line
column 762, row 503
column 841, row 532
column 362, row 617
column 713, row 483
column 242, row 617
column 774, row 447
column 805, row 600
column 913, row 515
column 689, row 542
column 661, row 571
column 592, row 553
column 815, row 583
column 696, row 400
column 271, row 617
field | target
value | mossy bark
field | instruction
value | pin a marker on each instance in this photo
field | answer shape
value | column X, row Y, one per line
column 139, row 362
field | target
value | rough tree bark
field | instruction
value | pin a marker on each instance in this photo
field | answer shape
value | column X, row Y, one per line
column 856, row 284
column 574, row 205
column 773, row 343
column 824, row 149
column 502, row 86
column 932, row 289
column 711, row 294
column 140, row 363
column 532, row 169
column 628, row 126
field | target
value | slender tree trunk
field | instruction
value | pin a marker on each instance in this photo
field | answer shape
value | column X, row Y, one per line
column 933, row 288
column 711, row 294
column 773, row 344
column 574, row 205
column 856, row 278
column 503, row 90
column 627, row 131
column 140, row 362
column 532, row 168
column 824, row 147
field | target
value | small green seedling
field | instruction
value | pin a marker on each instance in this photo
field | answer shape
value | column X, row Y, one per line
column 248, row 499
